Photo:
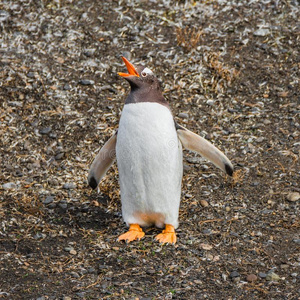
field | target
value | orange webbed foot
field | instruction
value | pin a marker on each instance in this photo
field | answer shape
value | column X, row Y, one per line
column 135, row 232
column 167, row 236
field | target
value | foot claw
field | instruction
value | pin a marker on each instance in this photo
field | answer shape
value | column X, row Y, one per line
column 167, row 236
column 135, row 232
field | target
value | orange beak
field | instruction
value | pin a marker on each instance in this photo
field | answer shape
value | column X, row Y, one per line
column 131, row 69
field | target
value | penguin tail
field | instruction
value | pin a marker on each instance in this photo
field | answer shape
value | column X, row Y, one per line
column 150, row 218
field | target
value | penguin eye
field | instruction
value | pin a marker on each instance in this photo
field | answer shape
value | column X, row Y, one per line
column 146, row 71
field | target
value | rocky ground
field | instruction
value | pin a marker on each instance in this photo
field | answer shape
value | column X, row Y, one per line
column 230, row 70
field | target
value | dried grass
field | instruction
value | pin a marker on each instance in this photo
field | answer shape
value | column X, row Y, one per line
column 223, row 75
column 188, row 38
column 238, row 177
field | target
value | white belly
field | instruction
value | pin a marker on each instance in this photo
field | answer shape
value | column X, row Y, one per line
column 149, row 157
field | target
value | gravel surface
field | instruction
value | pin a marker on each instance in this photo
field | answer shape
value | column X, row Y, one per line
column 230, row 70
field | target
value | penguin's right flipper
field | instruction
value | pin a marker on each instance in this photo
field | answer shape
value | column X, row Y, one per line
column 196, row 143
column 102, row 162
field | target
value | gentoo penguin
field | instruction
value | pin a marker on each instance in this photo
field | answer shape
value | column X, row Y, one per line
column 148, row 147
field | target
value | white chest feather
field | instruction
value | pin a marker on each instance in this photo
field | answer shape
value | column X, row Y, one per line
column 149, row 158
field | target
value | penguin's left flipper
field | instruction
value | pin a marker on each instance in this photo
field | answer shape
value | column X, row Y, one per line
column 102, row 162
column 196, row 143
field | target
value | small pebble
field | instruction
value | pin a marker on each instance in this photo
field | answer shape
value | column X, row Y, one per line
column 204, row 203
column 194, row 160
column 108, row 87
column 209, row 136
column 206, row 246
column 66, row 87
column 260, row 139
column 59, row 156
column 236, row 279
column 36, row 164
column 293, row 196
column 9, row 185
column 251, row 278
column 216, row 258
column 89, row 52
column 52, row 205
column 73, row 252
column 48, row 200
column 186, row 167
column 231, row 110
column 209, row 257
column 271, row 276
column 127, row 54
column 53, row 135
column 4, row 15
column 30, row 74
column 75, row 275
column 284, row 266
column 262, row 32
column 183, row 115
column 45, row 130
column 15, row 103
column 69, row 186
column 86, row 82
column 262, row 275
column 63, row 205
column 297, row 241
column 39, row 236
column 227, row 208
column 18, row 173
column 67, row 298
column 266, row 211
column 210, row 102
column 92, row 270
column 234, row 274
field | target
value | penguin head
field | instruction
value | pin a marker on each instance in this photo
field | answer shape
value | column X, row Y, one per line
column 145, row 87
column 139, row 76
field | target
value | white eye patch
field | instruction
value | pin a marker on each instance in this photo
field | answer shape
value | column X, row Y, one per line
column 146, row 72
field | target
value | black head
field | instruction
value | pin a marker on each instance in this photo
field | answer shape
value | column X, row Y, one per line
column 145, row 87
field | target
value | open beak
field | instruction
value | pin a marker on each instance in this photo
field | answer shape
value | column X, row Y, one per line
column 131, row 69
